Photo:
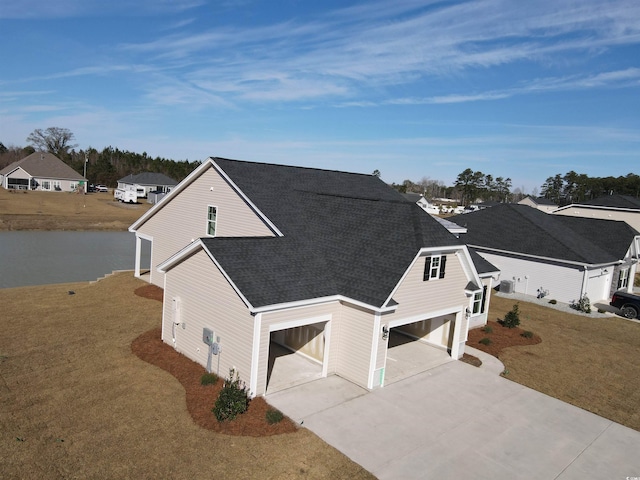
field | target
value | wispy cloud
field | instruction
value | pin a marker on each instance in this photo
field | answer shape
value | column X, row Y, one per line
column 384, row 44
column 45, row 9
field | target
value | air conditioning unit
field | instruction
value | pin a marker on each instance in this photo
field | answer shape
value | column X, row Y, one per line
column 506, row 286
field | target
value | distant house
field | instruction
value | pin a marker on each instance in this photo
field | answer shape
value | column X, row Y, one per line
column 548, row 255
column 334, row 267
column 541, row 203
column 41, row 171
column 610, row 207
column 146, row 182
column 422, row 202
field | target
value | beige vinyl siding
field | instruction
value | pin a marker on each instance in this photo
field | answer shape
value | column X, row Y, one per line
column 208, row 301
column 310, row 313
column 417, row 297
column 356, row 341
column 184, row 218
column 632, row 218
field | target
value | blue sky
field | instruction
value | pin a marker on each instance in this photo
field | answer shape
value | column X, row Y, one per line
column 519, row 89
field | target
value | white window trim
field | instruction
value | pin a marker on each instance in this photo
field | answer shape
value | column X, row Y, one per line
column 208, row 221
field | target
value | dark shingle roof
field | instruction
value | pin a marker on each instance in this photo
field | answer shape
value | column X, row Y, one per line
column 44, row 165
column 482, row 265
column 615, row 201
column 344, row 234
column 521, row 229
column 148, row 178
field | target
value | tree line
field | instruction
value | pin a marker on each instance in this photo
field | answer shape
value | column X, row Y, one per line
column 103, row 167
column 474, row 186
column 109, row 165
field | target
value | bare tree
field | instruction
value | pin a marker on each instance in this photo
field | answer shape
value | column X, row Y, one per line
column 55, row 140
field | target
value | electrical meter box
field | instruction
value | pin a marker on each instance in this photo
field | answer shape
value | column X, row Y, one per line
column 207, row 336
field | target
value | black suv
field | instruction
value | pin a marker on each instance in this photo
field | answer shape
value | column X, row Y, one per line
column 628, row 304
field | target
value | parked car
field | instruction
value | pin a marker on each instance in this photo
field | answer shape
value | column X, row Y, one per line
column 628, row 303
column 91, row 188
column 101, row 188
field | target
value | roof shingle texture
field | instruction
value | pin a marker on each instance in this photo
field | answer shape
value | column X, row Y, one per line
column 44, row 165
column 344, row 234
column 526, row 230
column 148, row 178
column 615, row 201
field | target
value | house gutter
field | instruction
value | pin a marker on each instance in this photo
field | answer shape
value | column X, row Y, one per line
column 549, row 259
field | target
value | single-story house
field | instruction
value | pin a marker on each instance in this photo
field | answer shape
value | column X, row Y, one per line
column 543, row 204
column 611, row 207
column 422, row 202
column 329, row 265
column 146, row 182
column 41, row 171
column 563, row 258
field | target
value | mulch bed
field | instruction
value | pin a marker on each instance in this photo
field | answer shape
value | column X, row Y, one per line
column 200, row 398
column 501, row 338
column 471, row 360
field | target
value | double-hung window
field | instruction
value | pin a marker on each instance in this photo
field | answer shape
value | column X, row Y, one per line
column 212, row 216
column 434, row 267
column 623, row 279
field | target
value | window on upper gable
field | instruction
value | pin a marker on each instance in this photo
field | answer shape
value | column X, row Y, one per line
column 434, row 267
column 212, row 215
column 623, row 279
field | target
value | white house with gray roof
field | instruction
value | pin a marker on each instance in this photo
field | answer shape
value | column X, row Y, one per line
column 335, row 267
column 143, row 183
column 41, row 171
column 559, row 257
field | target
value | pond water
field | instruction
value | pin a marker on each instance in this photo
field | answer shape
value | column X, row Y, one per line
column 38, row 258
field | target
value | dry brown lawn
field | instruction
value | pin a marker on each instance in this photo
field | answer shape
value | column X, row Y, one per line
column 66, row 211
column 75, row 402
column 593, row 363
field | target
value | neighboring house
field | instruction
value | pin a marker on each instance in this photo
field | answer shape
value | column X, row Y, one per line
column 328, row 264
column 422, row 202
column 41, row 171
column 548, row 255
column 146, row 182
column 541, row 203
column 611, row 207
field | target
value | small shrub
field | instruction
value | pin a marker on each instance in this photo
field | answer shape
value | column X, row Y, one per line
column 273, row 416
column 488, row 329
column 233, row 399
column 582, row 305
column 208, row 379
column 553, row 301
column 512, row 318
column 485, row 341
column 527, row 334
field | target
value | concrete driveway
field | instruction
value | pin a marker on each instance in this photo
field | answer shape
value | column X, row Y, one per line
column 457, row 421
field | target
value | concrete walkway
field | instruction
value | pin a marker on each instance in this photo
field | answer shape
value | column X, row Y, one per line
column 458, row 421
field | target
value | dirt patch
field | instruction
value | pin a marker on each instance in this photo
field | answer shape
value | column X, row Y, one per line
column 75, row 402
column 35, row 210
column 150, row 291
column 201, row 398
column 500, row 338
column 471, row 360
column 588, row 361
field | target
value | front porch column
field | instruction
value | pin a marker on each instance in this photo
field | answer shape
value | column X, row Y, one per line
column 138, row 254
column 455, row 341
